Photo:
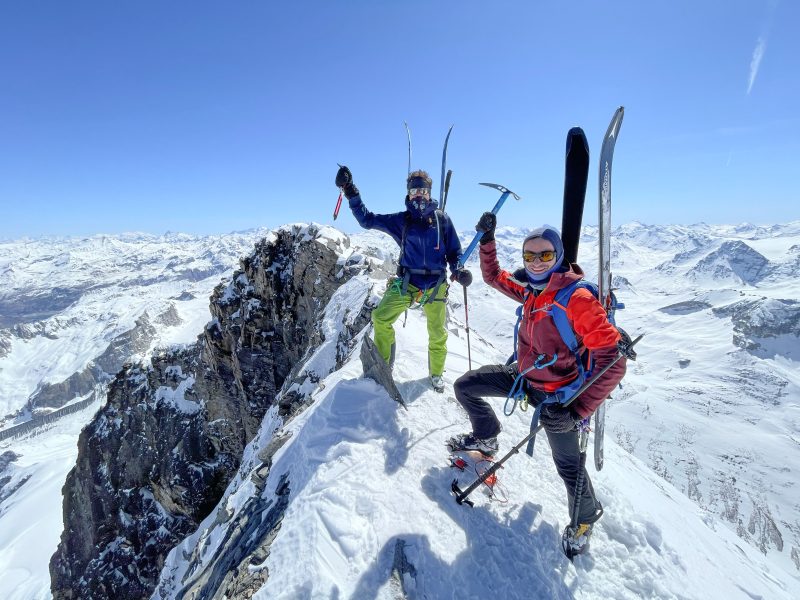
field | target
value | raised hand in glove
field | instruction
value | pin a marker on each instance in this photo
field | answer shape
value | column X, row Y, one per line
column 344, row 180
column 558, row 419
column 462, row 276
column 487, row 224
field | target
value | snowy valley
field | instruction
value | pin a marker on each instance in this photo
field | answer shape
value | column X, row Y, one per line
column 702, row 452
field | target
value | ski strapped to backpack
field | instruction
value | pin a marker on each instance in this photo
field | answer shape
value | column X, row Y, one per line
column 558, row 312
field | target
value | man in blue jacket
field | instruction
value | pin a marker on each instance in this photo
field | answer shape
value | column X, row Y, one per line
column 428, row 243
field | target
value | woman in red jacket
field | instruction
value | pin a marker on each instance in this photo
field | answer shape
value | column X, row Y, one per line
column 543, row 359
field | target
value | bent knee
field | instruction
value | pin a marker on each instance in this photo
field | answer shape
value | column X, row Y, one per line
column 464, row 382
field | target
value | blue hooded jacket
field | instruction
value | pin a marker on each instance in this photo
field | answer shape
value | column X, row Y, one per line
column 431, row 241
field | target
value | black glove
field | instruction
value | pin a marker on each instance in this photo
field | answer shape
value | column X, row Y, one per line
column 344, row 180
column 487, row 224
column 463, row 276
column 558, row 419
column 343, row 177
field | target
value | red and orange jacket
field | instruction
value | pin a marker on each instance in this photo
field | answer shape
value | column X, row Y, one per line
column 538, row 334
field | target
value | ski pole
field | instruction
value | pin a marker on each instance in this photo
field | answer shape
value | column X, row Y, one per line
column 466, row 319
column 505, row 194
column 461, row 496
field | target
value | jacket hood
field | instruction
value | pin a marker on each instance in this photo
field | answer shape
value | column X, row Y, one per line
column 549, row 233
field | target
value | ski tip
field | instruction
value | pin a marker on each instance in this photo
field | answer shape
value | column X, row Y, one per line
column 576, row 132
column 616, row 123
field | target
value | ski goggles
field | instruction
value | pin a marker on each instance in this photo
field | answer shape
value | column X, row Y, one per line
column 413, row 192
column 545, row 256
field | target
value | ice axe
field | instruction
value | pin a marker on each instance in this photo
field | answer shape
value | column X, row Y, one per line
column 339, row 201
column 505, row 194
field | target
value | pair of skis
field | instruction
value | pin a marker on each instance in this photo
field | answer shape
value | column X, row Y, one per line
column 575, row 180
column 444, row 180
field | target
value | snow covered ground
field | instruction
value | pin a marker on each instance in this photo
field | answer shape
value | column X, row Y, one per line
column 369, row 481
column 703, row 427
column 31, row 518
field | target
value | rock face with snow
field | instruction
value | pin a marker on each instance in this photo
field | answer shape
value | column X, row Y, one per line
column 159, row 455
column 733, row 259
column 135, row 341
column 757, row 324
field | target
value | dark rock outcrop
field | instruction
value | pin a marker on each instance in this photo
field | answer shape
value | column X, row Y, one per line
column 759, row 324
column 685, row 308
column 157, row 459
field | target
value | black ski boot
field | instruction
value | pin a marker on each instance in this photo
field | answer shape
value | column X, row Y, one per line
column 575, row 540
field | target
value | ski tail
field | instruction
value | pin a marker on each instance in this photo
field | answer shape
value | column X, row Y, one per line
column 576, row 175
column 599, row 435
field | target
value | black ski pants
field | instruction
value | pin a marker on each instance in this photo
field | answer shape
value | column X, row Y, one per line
column 496, row 381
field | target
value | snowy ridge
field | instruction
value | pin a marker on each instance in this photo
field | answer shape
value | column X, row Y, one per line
column 365, row 488
column 709, row 406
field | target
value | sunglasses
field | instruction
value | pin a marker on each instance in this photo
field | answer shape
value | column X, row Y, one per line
column 419, row 192
column 545, row 256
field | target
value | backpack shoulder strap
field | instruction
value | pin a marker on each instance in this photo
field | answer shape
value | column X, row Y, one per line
column 406, row 220
column 559, row 313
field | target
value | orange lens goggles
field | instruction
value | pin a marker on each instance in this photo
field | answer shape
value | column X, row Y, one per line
column 545, row 256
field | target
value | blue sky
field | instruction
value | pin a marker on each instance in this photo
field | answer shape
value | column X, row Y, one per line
column 208, row 117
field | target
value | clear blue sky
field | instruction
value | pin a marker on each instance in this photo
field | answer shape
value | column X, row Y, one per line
column 208, row 117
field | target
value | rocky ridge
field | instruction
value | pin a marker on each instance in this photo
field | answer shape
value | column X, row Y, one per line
column 157, row 458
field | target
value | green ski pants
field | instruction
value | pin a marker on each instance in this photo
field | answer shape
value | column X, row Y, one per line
column 393, row 304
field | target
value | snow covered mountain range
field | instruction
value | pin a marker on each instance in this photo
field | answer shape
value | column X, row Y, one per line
column 72, row 310
column 702, row 455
